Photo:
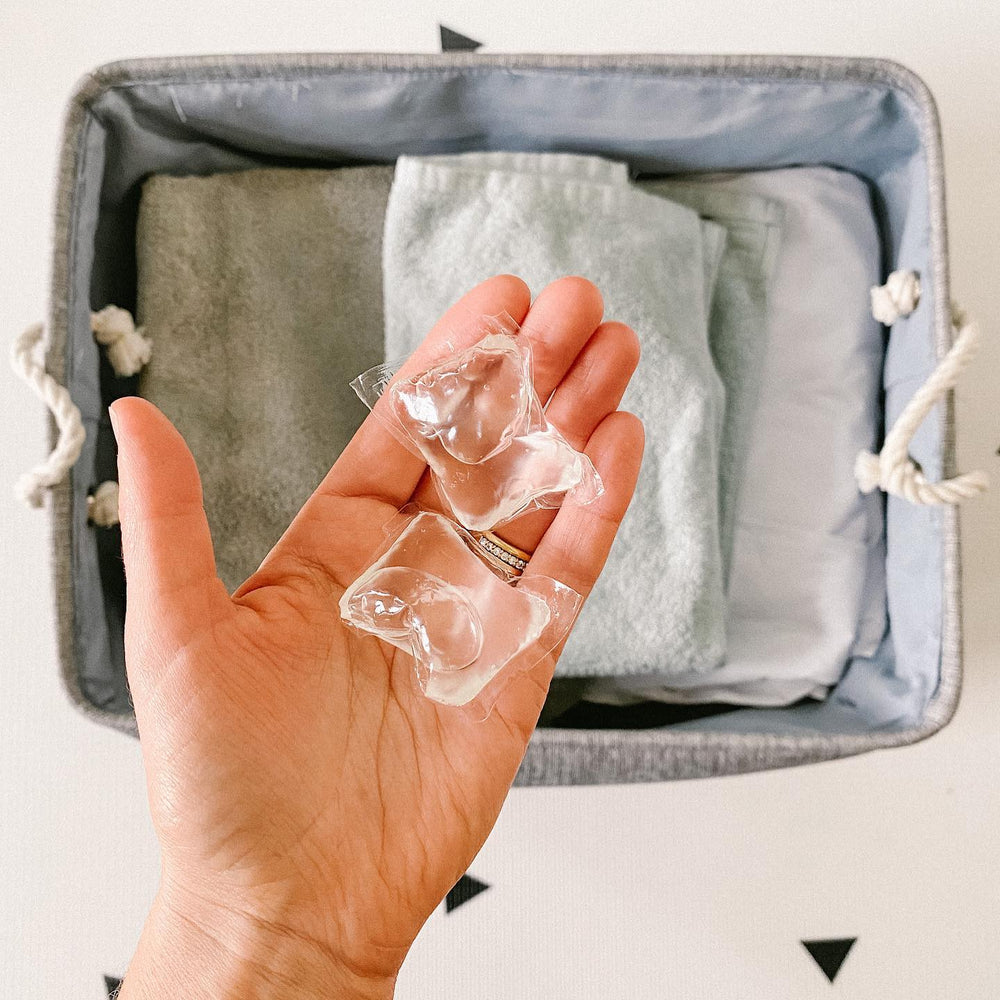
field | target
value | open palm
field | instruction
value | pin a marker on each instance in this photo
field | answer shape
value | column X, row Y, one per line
column 296, row 773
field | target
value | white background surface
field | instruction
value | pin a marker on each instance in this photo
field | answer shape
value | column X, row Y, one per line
column 685, row 890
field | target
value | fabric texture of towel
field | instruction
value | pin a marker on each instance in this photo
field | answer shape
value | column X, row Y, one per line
column 806, row 587
column 262, row 293
column 588, row 168
column 738, row 320
column 659, row 604
column 737, row 326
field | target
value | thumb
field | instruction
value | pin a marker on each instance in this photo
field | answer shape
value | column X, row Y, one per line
column 172, row 586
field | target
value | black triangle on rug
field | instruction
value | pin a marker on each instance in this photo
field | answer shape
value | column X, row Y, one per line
column 112, row 985
column 452, row 41
column 462, row 891
column 829, row 954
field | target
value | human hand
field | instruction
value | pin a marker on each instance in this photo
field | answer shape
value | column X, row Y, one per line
column 312, row 806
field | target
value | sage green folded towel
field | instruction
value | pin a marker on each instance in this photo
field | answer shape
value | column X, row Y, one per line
column 738, row 338
column 737, row 326
column 659, row 604
column 262, row 293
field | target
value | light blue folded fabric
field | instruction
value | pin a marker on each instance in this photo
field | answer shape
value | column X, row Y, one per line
column 807, row 584
column 659, row 605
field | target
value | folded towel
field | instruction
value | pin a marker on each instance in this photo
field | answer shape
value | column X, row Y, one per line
column 738, row 339
column 262, row 293
column 659, row 603
column 593, row 168
column 806, row 588
column 737, row 326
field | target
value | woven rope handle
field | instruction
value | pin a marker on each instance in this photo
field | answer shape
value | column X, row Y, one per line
column 892, row 469
column 32, row 485
column 127, row 350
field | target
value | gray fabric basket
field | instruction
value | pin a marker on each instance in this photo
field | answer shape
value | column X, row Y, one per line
column 661, row 113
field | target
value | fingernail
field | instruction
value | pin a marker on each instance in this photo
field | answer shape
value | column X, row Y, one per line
column 113, row 417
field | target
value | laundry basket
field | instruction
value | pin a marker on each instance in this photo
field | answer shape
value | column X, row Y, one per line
column 661, row 114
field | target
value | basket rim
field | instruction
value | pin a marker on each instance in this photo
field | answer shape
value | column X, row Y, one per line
column 759, row 750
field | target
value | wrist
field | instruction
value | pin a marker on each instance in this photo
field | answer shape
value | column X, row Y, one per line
column 195, row 949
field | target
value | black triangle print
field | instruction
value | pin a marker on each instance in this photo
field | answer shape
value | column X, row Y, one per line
column 829, row 955
column 452, row 41
column 462, row 891
column 112, row 985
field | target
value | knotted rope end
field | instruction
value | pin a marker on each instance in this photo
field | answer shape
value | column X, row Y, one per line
column 867, row 471
column 102, row 505
column 899, row 296
column 127, row 349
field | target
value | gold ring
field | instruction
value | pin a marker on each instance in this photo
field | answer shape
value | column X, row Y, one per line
column 508, row 557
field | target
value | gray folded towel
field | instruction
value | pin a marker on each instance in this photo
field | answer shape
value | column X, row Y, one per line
column 659, row 604
column 262, row 293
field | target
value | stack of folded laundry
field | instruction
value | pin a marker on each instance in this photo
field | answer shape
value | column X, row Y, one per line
column 747, row 569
